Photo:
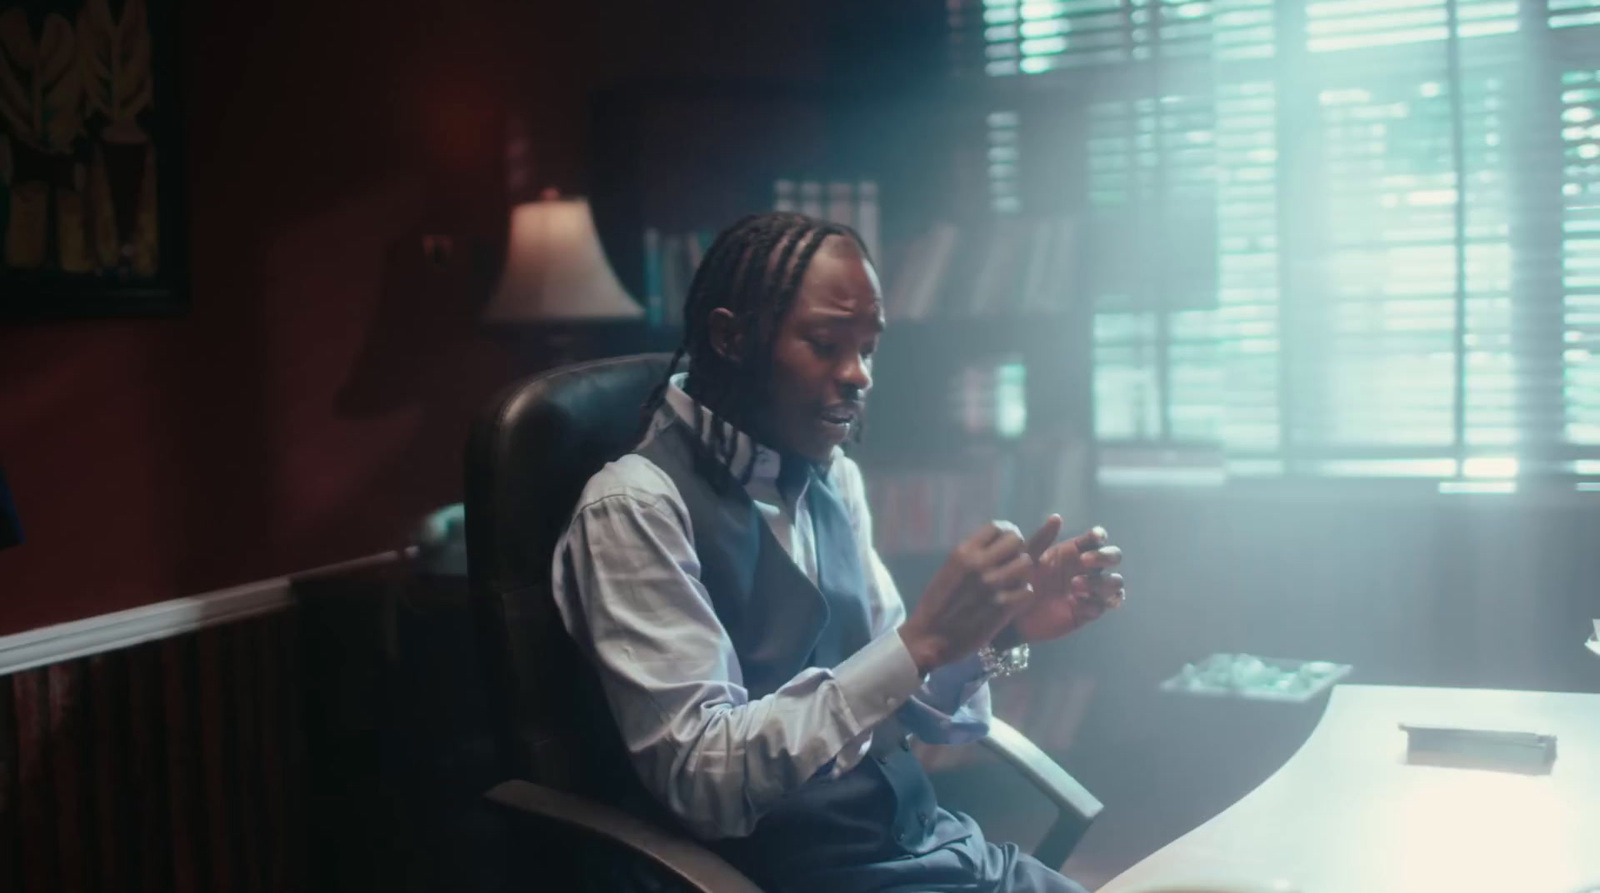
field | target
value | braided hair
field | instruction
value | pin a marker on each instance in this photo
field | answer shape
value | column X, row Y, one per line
column 753, row 270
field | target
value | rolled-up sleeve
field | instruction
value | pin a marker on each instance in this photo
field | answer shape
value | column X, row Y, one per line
column 627, row 583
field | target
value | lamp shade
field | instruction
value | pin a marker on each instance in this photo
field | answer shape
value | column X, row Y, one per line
column 555, row 269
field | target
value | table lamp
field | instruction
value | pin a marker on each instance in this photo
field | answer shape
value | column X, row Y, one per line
column 10, row 527
column 555, row 269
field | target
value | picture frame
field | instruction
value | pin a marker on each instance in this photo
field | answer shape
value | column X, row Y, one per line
column 91, row 169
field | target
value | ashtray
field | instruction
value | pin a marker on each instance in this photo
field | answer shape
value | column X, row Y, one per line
column 1256, row 678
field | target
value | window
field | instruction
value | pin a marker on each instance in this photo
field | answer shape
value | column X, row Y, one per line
column 1323, row 238
column 1580, row 253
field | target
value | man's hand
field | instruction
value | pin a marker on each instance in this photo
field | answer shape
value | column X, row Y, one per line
column 1072, row 584
column 982, row 586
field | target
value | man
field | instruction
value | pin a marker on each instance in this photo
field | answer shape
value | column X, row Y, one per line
column 756, row 655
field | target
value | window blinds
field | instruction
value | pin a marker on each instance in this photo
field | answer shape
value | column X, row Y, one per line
column 1327, row 238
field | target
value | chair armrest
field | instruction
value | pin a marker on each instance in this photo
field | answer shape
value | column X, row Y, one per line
column 680, row 857
column 1076, row 805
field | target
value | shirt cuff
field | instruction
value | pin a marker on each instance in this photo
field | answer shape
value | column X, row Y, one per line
column 877, row 679
column 951, row 685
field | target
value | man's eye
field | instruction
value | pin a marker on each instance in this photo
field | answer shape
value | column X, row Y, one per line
column 824, row 348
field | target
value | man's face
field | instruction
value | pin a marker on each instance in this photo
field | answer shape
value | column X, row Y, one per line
column 822, row 355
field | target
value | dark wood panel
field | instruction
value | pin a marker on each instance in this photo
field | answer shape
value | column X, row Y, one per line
column 10, row 821
column 157, row 768
column 214, row 714
column 182, row 783
column 34, row 798
column 245, row 757
column 106, row 687
column 147, row 812
column 65, row 743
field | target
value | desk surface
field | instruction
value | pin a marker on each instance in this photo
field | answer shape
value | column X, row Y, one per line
column 1347, row 814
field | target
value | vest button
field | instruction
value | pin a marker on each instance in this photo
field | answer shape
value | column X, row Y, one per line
column 905, row 743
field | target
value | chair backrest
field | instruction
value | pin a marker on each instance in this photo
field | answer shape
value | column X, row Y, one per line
column 529, row 455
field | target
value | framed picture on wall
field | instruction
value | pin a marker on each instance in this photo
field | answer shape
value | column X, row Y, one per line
column 90, row 169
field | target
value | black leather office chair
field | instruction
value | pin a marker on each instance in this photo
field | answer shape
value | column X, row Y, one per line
column 527, row 461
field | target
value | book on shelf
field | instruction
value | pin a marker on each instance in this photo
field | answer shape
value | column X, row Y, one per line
column 670, row 262
column 841, row 204
column 654, row 299
column 811, row 198
column 990, row 397
column 1017, row 267
column 999, row 271
column 675, row 276
column 868, row 222
column 926, row 512
column 915, row 284
column 1049, row 284
column 853, row 204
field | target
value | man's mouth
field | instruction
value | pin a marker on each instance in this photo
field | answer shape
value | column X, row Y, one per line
column 843, row 415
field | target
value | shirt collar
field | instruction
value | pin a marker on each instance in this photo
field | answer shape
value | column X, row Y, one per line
column 763, row 462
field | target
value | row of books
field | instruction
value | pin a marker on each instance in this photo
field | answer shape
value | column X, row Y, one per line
column 1015, row 267
column 990, row 397
column 670, row 261
column 933, row 511
column 852, row 204
column 927, row 510
column 671, row 258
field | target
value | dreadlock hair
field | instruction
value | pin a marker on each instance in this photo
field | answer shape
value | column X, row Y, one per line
column 753, row 270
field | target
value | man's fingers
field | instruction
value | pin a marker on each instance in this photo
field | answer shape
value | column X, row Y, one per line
column 1100, row 585
column 1100, row 559
column 1112, row 590
column 1015, row 600
column 1090, row 540
column 1044, row 537
column 990, row 532
column 1013, row 574
column 1005, row 546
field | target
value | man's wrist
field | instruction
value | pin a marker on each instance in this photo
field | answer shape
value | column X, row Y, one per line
column 922, row 651
column 1007, row 639
column 999, row 664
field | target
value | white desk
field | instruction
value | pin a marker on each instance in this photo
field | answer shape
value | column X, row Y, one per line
column 1347, row 814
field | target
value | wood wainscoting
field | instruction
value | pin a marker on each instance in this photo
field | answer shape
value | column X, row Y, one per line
column 165, row 766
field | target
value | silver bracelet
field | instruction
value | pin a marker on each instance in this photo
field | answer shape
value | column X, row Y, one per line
column 1000, row 664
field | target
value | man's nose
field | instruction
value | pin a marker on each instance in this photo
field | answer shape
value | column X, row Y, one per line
column 856, row 377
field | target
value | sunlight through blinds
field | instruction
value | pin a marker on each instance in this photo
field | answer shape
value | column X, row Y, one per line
column 1420, row 228
column 1198, row 176
column 1387, row 370
column 1354, row 24
column 1573, row 13
column 1034, row 37
column 1580, row 261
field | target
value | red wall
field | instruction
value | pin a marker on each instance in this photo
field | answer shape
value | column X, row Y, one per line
column 313, row 404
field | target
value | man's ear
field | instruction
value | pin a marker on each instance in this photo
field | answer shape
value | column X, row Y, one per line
column 726, row 339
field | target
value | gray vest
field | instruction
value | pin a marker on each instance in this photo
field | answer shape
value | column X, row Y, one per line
column 780, row 624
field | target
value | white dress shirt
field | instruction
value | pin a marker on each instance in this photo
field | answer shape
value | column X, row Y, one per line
column 626, row 580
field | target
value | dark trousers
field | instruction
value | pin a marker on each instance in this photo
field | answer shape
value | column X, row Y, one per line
column 968, row 864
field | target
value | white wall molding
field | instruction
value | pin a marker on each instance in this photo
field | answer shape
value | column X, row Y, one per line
column 122, row 629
